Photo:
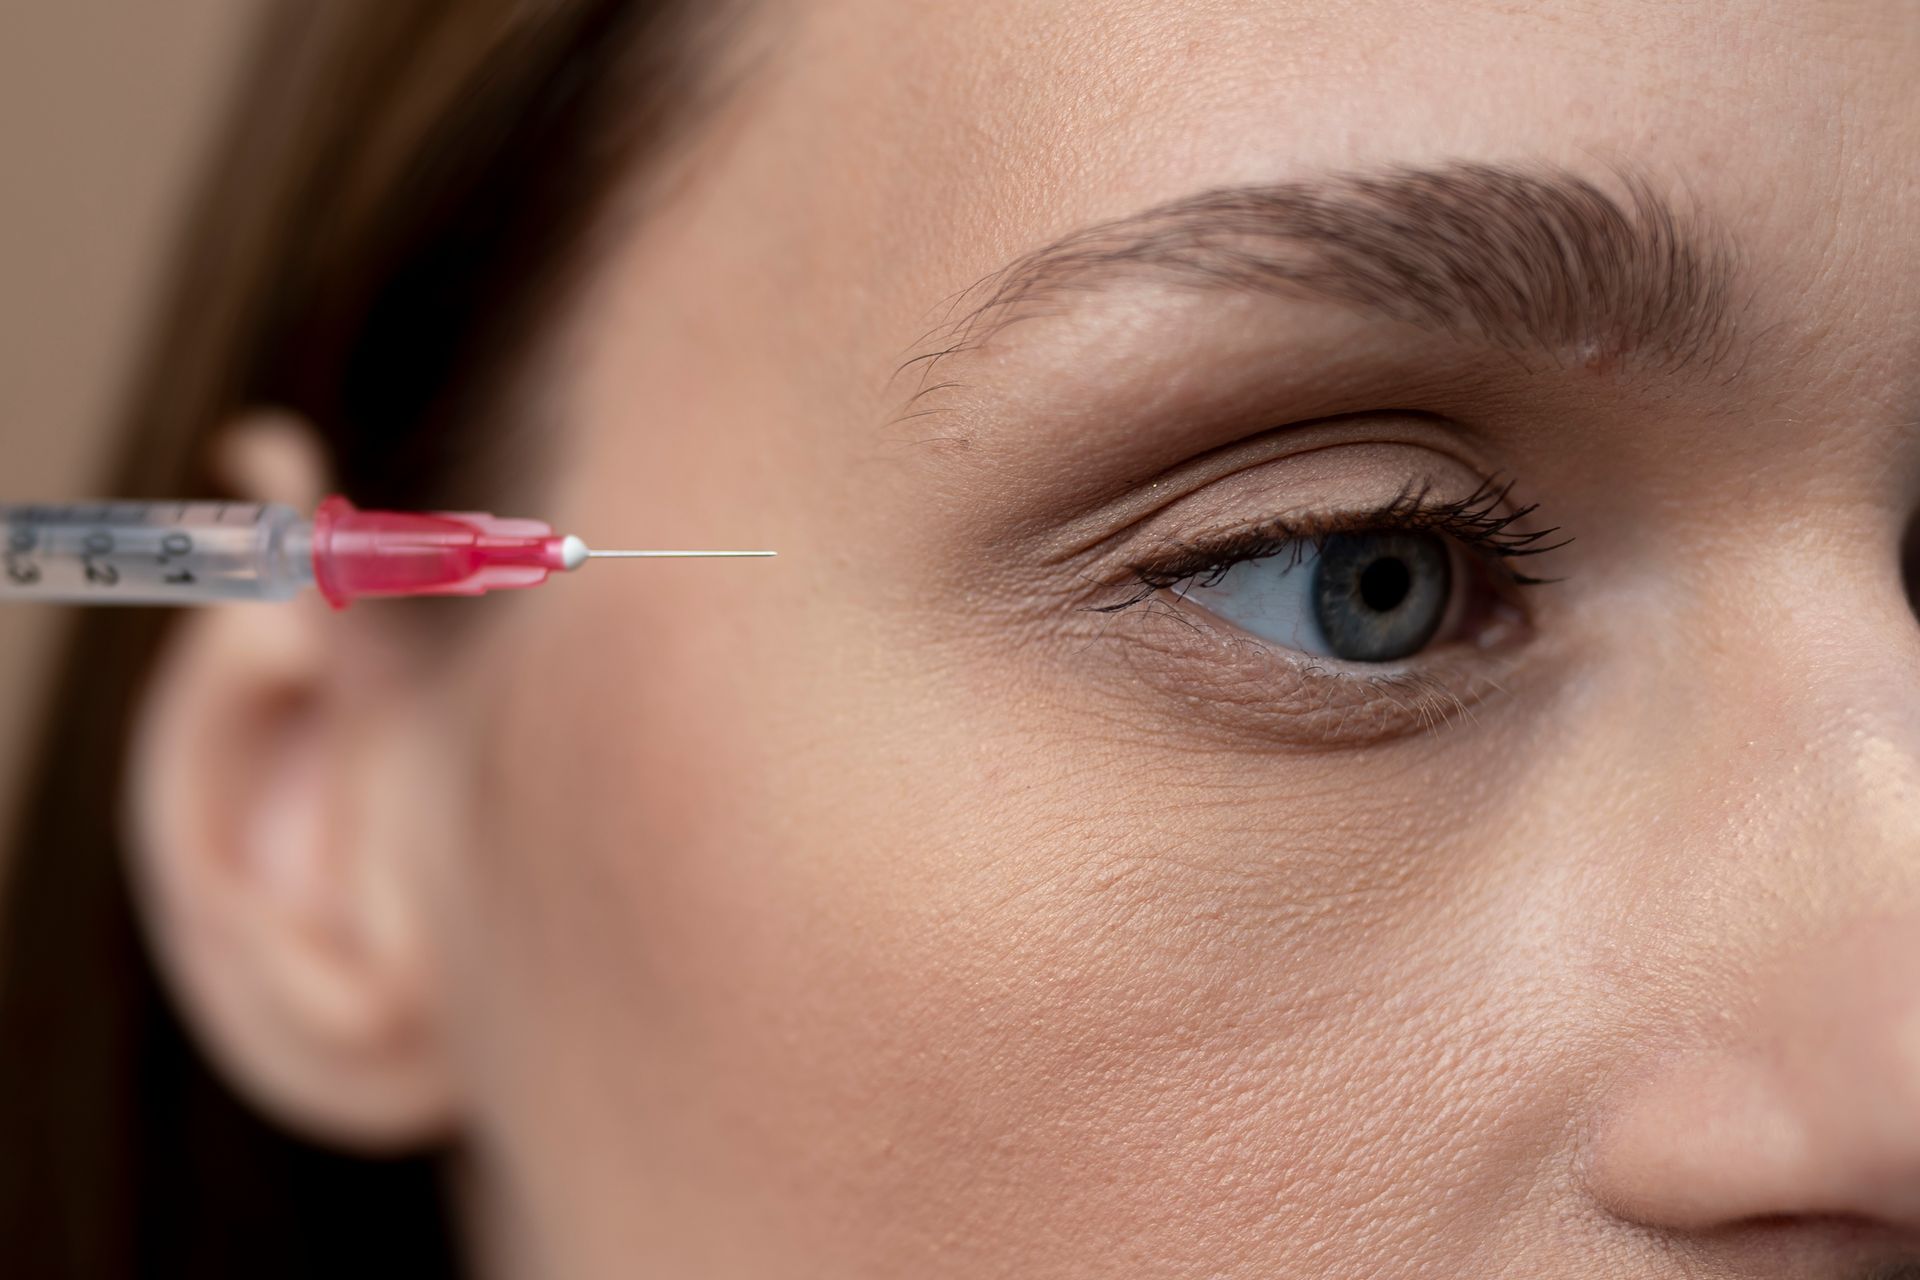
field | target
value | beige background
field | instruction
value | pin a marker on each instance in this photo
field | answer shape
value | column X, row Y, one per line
column 105, row 109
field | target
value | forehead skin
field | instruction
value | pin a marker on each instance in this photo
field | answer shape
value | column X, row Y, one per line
column 924, row 942
column 1003, row 125
column 908, row 157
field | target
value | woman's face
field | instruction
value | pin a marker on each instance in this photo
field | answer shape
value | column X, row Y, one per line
column 1004, row 880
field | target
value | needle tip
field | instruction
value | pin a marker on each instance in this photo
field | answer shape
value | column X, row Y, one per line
column 649, row 555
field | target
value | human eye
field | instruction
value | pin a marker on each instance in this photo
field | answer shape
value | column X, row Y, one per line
column 1389, row 605
column 1371, row 587
column 1372, row 596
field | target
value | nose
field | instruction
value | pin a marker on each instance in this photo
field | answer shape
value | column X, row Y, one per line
column 1806, row 1104
column 1781, row 1081
column 1910, row 564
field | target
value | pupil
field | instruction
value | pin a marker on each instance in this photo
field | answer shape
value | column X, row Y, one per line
column 1384, row 584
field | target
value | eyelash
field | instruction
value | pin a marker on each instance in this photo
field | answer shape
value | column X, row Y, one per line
column 1476, row 522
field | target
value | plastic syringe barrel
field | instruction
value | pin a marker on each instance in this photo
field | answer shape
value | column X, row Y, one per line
column 208, row 552
column 153, row 552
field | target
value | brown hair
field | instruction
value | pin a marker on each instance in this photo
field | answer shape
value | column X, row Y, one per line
column 406, row 193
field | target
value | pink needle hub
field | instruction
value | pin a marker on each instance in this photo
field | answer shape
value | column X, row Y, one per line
column 443, row 553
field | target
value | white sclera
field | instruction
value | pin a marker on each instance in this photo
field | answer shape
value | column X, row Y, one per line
column 1272, row 598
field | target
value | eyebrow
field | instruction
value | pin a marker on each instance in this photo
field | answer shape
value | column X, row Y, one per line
column 1515, row 256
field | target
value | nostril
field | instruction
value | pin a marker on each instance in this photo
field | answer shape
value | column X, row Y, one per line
column 1910, row 564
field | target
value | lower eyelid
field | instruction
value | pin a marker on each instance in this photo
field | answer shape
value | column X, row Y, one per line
column 1218, row 676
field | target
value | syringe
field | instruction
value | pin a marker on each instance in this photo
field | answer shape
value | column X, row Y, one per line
column 207, row 552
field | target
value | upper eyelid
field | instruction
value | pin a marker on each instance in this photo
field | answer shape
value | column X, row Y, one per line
column 1409, row 509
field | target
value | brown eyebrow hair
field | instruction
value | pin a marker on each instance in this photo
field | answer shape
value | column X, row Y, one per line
column 1523, row 257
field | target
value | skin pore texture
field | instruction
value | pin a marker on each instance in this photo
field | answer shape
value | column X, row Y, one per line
column 892, row 908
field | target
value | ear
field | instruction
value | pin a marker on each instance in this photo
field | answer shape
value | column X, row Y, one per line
column 281, row 891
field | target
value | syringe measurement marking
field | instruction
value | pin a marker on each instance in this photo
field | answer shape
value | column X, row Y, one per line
column 21, row 571
column 20, row 542
column 101, row 574
column 176, row 544
column 99, row 544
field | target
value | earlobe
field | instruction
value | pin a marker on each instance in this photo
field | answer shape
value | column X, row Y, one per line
column 276, row 905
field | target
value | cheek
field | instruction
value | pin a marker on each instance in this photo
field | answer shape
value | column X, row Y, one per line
column 885, row 945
